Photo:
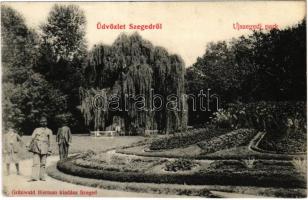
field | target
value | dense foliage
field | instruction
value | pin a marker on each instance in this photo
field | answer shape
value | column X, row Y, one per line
column 133, row 67
column 26, row 94
column 283, row 122
column 267, row 66
column 294, row 143
column 63, row 52
column 276, row 118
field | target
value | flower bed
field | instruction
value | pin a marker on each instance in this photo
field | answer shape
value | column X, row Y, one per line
column 233, row 139
column 116, row 163
column 170, row 189
column 186, row 139
column 261, row 175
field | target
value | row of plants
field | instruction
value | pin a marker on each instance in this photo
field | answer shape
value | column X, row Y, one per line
column 261, row 176
column 235, row 138
column 252, row 164
column 186, row 138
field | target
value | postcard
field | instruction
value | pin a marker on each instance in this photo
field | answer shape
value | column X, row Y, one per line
column 154, row 99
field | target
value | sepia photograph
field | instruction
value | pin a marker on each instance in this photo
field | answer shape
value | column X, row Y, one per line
column 154, row 99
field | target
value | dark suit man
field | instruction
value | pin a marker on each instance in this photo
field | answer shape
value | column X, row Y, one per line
column 64, row 139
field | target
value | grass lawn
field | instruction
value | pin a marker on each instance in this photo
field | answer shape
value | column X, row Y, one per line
column 84, row 143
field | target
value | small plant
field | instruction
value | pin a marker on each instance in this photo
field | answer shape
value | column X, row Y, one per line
column 128, row 160
column 108, row 158
column 249, row 163
column 300, row 165
column 222, row 119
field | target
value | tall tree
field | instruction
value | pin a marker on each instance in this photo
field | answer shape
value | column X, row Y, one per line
column 19, row 46
column 63, row 48
column 26, row 95
column 135, row 67
column 268, row 66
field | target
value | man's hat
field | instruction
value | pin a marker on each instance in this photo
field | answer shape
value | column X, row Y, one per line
column 43, row 119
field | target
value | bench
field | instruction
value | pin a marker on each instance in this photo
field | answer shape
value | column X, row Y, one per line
column 103, row 133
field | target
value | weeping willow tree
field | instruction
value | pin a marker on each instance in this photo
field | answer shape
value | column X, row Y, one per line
column 133, row 67
column 138, row 84
column 93, row 109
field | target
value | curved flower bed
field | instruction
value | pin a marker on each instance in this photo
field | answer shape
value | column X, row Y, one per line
column 260, row 175
column 116, row 163
column 233, row 139
column 187, row 138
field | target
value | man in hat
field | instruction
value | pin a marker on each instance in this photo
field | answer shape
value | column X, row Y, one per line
column 64, row 139
column 12, row 147
column 40, row 146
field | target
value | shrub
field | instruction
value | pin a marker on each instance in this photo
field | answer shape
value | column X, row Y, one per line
column 295, row 143
column 249, row 163
column 273, row 117
column 301, row 166
column 223, row 119
column 226, row 164
column 179, row 165
column 233, row 139
column 185, row 139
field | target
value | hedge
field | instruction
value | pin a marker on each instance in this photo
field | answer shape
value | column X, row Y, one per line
column 217, row 177
column 159, row 189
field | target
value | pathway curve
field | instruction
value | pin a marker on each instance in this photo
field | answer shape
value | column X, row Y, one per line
column 13, row 184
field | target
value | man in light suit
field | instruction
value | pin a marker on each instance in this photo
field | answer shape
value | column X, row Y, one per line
column 40, row 146
column 64, row 139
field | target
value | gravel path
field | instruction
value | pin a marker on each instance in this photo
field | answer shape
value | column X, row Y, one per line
column 15, row 185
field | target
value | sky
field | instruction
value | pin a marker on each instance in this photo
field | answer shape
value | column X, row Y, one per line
column 187, row 27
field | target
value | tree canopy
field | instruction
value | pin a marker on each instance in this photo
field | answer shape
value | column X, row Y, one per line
column 63, row 52
column 137, row 67
column 26, row 95
column 261, row 66
column 268, row 66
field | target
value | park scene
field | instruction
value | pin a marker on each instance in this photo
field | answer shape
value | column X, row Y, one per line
column 142, row 123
